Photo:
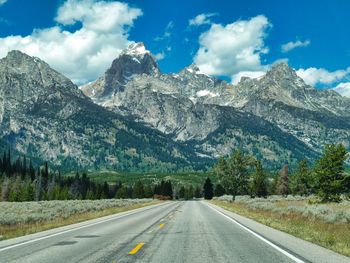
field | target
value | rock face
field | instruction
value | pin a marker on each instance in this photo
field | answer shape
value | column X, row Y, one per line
column 135, row 118
column 277, row 117
column 44, row 115
column 135, row 60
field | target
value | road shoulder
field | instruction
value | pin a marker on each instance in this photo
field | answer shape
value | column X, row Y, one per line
column 305, row 250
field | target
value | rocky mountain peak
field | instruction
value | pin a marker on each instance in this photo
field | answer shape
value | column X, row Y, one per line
column 136, row 49
column 18, row 60
column 134, row 60
column 191, row 69
column 31, row 74
column 281, row 70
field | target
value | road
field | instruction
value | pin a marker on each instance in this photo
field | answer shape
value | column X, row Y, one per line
column 191, row 231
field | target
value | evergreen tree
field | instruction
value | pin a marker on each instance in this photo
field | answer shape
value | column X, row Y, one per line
column 189, row 192
column 329, row 173
column 233, row 172
column 219, row 190
column 105, row 191
column 138, row 191
column 198, row 192
column 15, row 190
column 122, row 193
column 259, row 183
column 301, row 181
column 27, row 191
column 64, row 194
column 182, row 192
column 90, row 195
column 148, row 191
column 208, row 189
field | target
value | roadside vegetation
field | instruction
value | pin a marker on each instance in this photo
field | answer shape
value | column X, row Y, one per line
column 22, row 218
column 325, row 224
column 311, row 203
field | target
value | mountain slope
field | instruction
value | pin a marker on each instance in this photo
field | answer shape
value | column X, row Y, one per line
column 44, row 115
column 278, row 116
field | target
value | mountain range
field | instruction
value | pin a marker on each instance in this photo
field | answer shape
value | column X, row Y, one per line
column 136, row 118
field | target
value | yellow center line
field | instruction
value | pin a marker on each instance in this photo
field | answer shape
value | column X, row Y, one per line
column 135, row 249
column 161, row 225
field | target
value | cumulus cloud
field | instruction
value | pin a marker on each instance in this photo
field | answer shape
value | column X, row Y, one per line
column 2, row 2
column 292, row 45
column 84, row 54
column 250, row 74
column 159, row 56
column 229, row 49
column 201, row 19
column 343, row 89
column 313, row 76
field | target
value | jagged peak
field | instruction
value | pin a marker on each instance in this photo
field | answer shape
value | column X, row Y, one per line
column 192, row 69
column 17, row 55
column 136, row 49
column 281, row 68
column 17, row 59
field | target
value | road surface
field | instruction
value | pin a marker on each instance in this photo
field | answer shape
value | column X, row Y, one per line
column 191, row 231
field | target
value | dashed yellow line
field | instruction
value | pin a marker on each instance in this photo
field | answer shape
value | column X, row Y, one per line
column 135, row 249
column 161, row 226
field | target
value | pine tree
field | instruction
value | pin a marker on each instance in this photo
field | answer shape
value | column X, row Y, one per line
column 15, row 190
column 198, row 192
column 148, row 191
column 90, row 195
column 208, row 189
column 301, row 181
column 219, row 190
column 182, row 192
column 329, row 173
column 138, row 191
column 259, row 183
column 122, row 193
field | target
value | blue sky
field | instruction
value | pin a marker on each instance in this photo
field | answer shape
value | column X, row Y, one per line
column 318, row 33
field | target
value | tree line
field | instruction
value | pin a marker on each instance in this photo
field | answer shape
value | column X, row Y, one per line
column 238, row 174
column 242, row 174
column 21, row 181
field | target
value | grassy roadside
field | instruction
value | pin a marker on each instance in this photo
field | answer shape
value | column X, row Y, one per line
column 21, row 229
column 331, row 235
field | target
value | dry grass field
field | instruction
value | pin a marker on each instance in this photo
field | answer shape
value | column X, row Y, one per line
column 23, row 218
column 327, row 225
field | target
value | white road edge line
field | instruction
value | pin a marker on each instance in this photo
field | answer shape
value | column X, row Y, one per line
column 74, row 229
column 286, row 253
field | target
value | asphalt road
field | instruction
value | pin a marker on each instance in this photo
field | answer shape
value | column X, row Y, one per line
column 191, row 231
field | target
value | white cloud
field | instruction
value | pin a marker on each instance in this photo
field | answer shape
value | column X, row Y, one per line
column 230, row 49
column 159, row 56
column 313, row 76
column 250, row 74
column 84, row 54
column 343, row 89
column 292, row 45
column 201, row 19
column 167, row 32
column 2, row 2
